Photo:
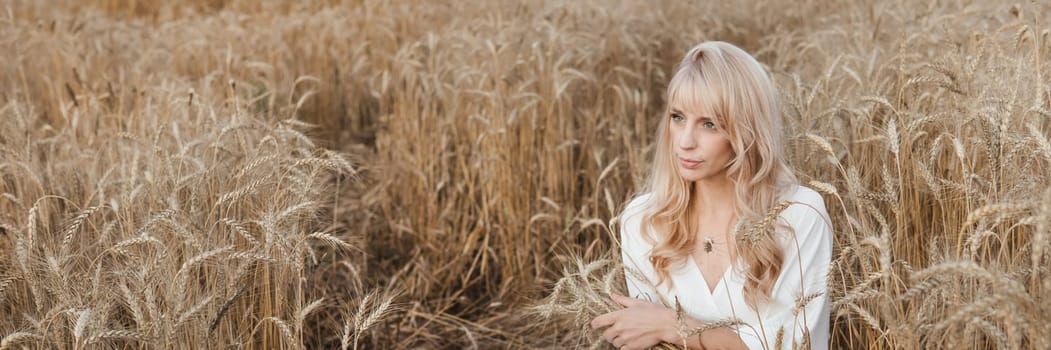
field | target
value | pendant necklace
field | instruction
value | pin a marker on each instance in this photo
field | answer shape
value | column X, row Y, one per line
column 708, row 245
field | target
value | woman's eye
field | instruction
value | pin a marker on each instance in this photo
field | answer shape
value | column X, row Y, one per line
column 709, row 125
column 676, row 117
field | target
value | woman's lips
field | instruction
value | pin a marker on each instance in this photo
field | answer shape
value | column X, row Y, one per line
column 689, row 163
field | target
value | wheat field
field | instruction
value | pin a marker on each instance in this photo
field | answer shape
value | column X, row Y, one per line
column 368, row 174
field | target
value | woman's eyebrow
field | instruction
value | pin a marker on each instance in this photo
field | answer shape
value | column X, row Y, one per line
column 701, row 118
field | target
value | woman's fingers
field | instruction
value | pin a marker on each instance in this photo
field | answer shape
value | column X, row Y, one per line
column 631, row 345
column 622, row 300
column 620, row 333
column 619, row 337
column 627, row 339
column 626, row 301
column 613, row 331
column 604, row 320
column 610, row 335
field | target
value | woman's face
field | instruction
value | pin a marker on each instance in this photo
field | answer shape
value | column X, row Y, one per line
column 702, row 151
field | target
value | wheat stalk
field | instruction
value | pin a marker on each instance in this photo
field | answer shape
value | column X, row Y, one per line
column 10, row 340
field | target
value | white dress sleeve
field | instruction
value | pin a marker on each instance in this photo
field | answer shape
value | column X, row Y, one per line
column 808, row 254
column 634, row 251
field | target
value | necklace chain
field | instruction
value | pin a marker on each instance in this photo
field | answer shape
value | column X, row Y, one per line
column 709, row 244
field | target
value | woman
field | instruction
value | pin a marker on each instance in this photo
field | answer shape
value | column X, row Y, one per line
column 723, row 228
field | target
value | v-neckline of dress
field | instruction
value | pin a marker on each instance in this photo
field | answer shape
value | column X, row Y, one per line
column 722, row 278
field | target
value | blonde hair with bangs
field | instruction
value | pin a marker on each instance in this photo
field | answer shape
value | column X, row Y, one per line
column 726, row 83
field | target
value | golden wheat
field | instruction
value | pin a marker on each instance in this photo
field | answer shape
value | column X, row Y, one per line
column 253, row 173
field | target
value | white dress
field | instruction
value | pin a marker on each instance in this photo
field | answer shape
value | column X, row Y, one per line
column 803, row 274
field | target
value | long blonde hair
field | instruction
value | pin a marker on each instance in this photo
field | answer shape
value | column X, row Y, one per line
column 726, row 83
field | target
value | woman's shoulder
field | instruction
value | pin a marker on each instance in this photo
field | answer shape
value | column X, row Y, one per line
column 807, row 215
column 805, row 203
column 636, row 205
column 803, row 194
column 631, row 218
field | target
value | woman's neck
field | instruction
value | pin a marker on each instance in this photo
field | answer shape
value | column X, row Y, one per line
column 714, row 197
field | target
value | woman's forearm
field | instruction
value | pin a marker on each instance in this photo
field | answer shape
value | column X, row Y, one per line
column 713, row 339
column 721, row 338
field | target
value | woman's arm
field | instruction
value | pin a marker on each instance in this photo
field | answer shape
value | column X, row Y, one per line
column 642, row 324
column 634, row 251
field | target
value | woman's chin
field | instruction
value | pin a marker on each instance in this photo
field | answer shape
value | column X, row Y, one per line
column 691, row 178
column 694, row 177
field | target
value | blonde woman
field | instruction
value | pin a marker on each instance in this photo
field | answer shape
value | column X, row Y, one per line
column 723, row 228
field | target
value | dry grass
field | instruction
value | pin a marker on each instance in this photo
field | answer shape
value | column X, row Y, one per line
column 393, row 174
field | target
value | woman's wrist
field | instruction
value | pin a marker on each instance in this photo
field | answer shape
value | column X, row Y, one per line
column 674, row 333
column 671, row 328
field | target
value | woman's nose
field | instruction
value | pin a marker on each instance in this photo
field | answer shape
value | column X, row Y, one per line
column 686, row 139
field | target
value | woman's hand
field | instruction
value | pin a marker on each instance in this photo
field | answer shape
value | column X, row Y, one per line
column 639, row 325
